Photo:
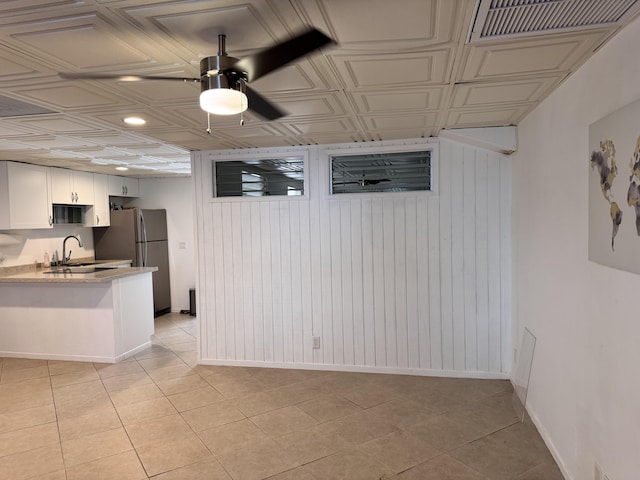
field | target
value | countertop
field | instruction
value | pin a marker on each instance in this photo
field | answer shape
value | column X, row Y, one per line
column 78, row 274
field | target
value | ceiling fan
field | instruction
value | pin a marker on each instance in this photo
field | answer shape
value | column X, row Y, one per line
column 365, row 182
column 223, row 79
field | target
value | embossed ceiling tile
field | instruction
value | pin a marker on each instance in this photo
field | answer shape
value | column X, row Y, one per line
column 389, row 101
column 496, row 93
column 487, row 117
column 195, row 25
column 310, row 105
column 322, row 126
column 67, row 97
column 13, row 66
column 397, row 122
column 259, row 130
column 58, row 141
column 382, row 24
column 160, row 117
column 17, row 7
column 328, row 139
column 560, row 53
column 102, row 45
column 394, row 134
column 154, row 91
column 114, row 139
column 300, row 77
column 398, row 70
column 59, row 124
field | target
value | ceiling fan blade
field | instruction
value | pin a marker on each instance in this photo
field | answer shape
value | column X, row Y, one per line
column 279, row 55
column 122, row 78
column 262, row 106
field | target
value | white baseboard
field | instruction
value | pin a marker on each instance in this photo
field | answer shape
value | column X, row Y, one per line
column 549, row 443
column 133, row 351
column 358, row 368
column 53, row 356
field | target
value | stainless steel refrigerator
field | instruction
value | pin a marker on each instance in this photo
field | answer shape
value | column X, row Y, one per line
column 139, row 235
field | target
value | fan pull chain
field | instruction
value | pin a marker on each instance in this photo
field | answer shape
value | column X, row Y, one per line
column 241, row 105
column 208, row 123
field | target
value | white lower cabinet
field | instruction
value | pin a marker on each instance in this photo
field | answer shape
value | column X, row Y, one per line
column 25, row 196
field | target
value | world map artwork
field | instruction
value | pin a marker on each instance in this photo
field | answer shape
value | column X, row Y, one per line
column 614, row 189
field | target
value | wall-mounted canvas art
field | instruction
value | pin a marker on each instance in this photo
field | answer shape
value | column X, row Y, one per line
column 614, row 189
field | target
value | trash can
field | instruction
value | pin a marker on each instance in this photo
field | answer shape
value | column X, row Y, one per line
column 192, row 302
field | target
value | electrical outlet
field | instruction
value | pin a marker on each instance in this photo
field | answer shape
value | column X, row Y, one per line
column 316, row 342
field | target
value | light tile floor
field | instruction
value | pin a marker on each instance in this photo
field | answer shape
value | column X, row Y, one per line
column 162, row 416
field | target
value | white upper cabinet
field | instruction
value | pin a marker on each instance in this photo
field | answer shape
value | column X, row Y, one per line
column 100, row 214
column 123, row 186
column 70, row 187
column 25, row 196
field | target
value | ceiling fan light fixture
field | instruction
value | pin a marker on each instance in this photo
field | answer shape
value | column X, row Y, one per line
column 223, row 101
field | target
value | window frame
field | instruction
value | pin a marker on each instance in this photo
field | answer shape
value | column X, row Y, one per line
column 390, row 148
column 265, row 155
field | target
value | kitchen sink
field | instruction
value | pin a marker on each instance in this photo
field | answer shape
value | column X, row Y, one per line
column 80, row 269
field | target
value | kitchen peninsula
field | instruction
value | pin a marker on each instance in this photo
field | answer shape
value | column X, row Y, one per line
column 83, row 314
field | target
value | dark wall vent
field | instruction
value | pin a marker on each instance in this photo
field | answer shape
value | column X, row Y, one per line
column 497, row 19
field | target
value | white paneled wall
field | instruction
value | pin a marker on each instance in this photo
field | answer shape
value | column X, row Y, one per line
column 415, row 283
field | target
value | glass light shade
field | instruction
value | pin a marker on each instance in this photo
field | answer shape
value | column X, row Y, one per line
column 223, row 101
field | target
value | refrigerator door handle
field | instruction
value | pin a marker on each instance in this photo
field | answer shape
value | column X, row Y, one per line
column 144, row 240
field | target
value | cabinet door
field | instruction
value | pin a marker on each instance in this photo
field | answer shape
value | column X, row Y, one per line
column 100, row 217
column 27, row 196
column 123, row 186
column 131, row 187
column 83, row 188
column 61, row 186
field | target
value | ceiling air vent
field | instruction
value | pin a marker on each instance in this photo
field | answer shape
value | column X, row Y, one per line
column 498, row 19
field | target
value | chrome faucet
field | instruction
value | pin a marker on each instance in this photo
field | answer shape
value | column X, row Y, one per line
column 65, row 258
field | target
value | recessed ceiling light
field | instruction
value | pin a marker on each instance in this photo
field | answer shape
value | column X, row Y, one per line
column 135, row 121
column 122, row 169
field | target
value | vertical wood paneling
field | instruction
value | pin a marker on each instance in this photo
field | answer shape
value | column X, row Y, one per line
column 442, row 279
column 267, row 287
column 386, row 281
column 482, row 259
column 228, row 280
column 357, row 282
column 505, row 262
column 277, row 275
column 296, row 283
column 336, row 282
column 457, row 256
column 256, row 286
column 306, row 285
column 368, row 312
column 346, row 265
column 379, row 308
column 411, row 300
column 286, row 235
column 493, row 263
column 248, row 315
column 237, row 257
column 389, row 263
column 469, row 259
column 429, row 303
column 400, row 281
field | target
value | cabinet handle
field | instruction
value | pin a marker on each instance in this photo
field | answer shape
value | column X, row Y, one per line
column 50, row 220
column 97, row 220
column 126, row 190
column 71, row 197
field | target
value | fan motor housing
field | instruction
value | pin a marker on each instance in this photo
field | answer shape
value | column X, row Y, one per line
column 224, row 76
